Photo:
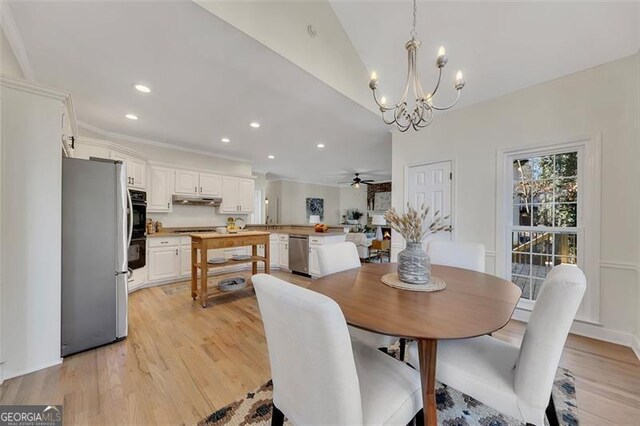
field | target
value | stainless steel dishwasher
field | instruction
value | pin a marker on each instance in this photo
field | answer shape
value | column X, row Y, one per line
column 299, row 254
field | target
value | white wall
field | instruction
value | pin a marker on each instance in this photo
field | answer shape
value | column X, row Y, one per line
column 290, row 199
column 354, row 198
column 31, row 231
column 8, row 62
column 602, row 100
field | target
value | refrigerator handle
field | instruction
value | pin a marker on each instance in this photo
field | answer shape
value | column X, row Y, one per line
column 130, row 217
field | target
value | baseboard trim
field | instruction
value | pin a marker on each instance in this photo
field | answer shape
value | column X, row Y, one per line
column 636, row 345
column 11, row 375
column 586, row 329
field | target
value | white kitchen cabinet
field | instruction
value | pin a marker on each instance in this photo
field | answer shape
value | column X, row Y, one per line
column 164, row 262
column 283, row 254
column 237, row 195
column 136, row 170
column 274, row 250
column 185, row 260
column 314, row 243
column 210, row 185
column 186, row 182
column 160, row 189
column 314, row 265
column 137, row 279
column 245, row 195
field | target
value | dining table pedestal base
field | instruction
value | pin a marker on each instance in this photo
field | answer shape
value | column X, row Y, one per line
column 427, row 352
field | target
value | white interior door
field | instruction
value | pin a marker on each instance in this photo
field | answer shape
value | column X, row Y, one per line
column 430, row 184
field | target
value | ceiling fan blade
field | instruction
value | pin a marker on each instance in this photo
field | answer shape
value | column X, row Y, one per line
column 367, row 181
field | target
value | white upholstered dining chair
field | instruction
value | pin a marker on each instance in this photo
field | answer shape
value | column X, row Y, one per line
column 461, row 255
column 517, row 381
column 321, row 377
column 333, row 258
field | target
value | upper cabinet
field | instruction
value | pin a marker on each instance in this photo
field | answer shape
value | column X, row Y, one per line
column 160, row 189
column 136, row 170
column 186, row 182
column 210, row 185
column 237, row 195
column 193, row 183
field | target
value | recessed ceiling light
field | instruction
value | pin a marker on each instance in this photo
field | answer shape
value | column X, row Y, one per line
column 320, row 145
column 142, row 88
column 225, row 140
column 131, row 116
column 254, row 124
column 271, row 157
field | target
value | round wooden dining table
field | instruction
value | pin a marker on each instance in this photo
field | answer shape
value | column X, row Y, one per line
column 472, row 304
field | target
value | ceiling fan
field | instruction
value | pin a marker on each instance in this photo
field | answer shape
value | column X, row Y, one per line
column 356, row 182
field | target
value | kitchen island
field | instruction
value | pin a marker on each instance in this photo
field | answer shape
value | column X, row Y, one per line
column 213, row 240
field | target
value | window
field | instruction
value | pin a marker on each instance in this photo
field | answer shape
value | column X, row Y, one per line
column 545, row 226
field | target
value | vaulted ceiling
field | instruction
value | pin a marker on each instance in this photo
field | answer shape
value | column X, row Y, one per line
column 500, row 46
column 214, row 69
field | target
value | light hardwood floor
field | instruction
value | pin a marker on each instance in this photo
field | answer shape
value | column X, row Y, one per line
column 181, row 362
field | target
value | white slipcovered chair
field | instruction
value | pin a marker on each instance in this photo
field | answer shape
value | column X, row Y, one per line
column 321, row 377
column 333, row 258
column 516, row 381
column 362, row 243
column 460, row 255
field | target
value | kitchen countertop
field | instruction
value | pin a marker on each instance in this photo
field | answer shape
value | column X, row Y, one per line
column 299, row 231
column 208, row 235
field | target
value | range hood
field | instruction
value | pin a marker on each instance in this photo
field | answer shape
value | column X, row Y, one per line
column 194, row 200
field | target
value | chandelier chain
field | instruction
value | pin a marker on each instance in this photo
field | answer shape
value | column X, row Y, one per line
column 415, row 11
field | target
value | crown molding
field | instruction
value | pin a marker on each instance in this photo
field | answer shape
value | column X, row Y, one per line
column 109, row 145
column 282, row 179
column 135, row 139
column 15, row 40
column 34, row 88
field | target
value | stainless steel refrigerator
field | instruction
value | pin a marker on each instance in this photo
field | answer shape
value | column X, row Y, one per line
column 95, row 237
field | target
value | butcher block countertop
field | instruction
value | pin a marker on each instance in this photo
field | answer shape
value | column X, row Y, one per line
column 240, row 234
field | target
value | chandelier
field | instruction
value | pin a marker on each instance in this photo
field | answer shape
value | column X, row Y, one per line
column 421, row 115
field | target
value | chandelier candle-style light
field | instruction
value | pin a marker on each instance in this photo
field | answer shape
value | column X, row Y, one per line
column 422, row 113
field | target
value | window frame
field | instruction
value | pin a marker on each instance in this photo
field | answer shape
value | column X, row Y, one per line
column 588, row 217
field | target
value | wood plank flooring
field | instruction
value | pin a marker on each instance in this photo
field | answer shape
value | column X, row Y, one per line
column 181, row 362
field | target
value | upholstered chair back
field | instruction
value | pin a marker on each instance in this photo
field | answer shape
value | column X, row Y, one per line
column 545, row 336
column 338, row 257
column 460, row 255
column 312, row 365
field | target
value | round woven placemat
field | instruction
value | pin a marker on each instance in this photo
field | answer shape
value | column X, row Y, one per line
column 392, row 280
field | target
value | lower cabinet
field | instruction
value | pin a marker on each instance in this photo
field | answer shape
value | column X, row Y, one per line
column 283, row 254
column 169, row 258
column 185, row 260
column 137, row 279
column 314, row 265
column 314, row 243
column 274, row 251
column 164, row 262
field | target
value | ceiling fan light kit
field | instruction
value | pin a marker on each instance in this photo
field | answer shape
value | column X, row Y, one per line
column 424, row 110
column 357, row 181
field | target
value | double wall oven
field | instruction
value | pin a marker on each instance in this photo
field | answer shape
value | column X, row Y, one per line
column 138, row 225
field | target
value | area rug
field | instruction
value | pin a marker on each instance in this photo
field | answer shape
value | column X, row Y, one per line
column 454, row 408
